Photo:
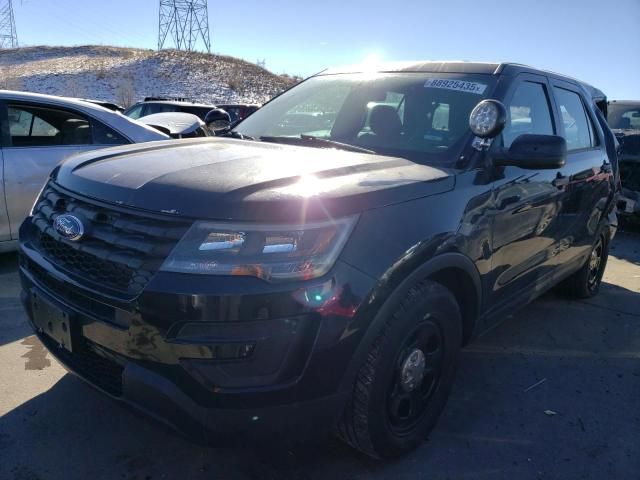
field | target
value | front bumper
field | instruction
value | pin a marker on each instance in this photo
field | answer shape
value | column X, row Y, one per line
column 214, row 358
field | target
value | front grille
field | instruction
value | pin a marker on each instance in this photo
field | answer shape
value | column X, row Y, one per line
column 71, row 295
column 91, row 266
column 101, row 371
column 120, row 251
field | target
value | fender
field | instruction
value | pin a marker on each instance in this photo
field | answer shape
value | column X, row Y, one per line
column 391, row 301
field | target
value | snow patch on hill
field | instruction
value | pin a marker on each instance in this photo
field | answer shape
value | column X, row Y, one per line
column 125, row 75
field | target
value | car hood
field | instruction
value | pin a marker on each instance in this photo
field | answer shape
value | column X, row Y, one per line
column 220, row 178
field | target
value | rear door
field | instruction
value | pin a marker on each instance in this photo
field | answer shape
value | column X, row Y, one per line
column 587, row 176
column 41, row 136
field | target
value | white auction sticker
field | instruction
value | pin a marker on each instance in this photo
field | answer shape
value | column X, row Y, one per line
column 459, row 85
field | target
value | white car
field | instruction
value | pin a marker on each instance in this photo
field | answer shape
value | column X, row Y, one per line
column 177, row 124
column 40, row 131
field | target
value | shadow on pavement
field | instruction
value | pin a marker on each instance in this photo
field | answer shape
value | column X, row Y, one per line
column 626, row 246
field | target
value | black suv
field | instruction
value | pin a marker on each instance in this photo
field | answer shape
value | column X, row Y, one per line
column 322, row 266
column 152, row 105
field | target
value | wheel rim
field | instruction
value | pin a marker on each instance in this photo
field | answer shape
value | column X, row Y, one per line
column 595, row 263
column 416, row 376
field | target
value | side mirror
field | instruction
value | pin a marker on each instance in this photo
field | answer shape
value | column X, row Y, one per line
column 217, row 120
column 535, row 152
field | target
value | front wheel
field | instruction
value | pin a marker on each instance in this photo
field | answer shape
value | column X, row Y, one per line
column 404, row 383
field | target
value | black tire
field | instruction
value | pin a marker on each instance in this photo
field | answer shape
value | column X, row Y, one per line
column 374, row 419
column 585, row 283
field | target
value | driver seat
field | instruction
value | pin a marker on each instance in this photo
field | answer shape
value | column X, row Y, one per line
column 386, row 126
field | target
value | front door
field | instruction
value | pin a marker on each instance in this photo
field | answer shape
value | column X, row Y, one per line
column 526, row 203
column 39, row 138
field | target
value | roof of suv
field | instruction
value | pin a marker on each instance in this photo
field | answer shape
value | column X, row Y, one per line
column 491, row 68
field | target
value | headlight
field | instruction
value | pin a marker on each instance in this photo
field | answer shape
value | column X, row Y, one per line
column 270, row 252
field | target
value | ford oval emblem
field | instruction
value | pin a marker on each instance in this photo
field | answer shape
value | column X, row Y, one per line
column 69, row 226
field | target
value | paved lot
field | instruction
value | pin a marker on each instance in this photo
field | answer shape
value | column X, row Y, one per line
column 52, row 426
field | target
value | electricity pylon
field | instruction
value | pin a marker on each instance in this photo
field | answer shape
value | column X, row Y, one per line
column 185, row 22
column 8, row 35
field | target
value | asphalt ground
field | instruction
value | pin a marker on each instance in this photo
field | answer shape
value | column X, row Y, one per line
column 578, row 361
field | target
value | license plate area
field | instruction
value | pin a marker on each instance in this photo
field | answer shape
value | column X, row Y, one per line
column 51, row 320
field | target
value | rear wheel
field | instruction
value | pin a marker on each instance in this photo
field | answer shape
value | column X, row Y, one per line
column 405, row 381
column 585, row 283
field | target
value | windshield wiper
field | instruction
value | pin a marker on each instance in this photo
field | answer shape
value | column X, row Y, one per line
column 311, row 141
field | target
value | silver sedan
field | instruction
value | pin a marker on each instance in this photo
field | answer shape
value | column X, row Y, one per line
column 40, row 131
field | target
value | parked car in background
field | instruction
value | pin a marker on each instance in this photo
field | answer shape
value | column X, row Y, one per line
column 297, row 276
column 624, row 119
column 43, row 131
column 103, row 103
column 177, row 124
column 239, row 111
column 153, row 105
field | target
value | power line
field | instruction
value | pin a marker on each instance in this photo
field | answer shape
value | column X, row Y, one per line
column 8, row 35
column 185, row 22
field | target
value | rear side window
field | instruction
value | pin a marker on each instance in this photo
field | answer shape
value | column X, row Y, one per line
column 528, row 112
column 35, row 126
column 441, row 117
column 152, row 108
column 624, row 116
column 578, row 129
column 103, row 135
column 135, row 112
column 234, row 113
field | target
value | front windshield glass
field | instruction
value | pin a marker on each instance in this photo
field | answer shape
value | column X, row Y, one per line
column 624, row 116
column 423, row 117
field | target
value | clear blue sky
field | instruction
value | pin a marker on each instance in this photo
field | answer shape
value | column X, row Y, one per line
column 597, row 41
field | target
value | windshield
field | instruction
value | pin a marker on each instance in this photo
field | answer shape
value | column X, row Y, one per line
column 624, row 116
column 423, row 117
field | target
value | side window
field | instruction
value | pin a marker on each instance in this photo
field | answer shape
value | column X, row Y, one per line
column 135, row 112
column 631, row 119
column 234, row 113
column 103, row 135
column 160, row 108
column 528, row 112
column 441, row 117
column 578, row 129
column 35, row 126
